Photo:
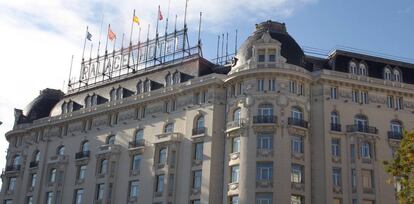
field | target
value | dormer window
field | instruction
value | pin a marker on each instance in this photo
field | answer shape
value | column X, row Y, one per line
column 168, row 80
column 362, row 70
column 147, row 85
column 119, row 93
column 387, row 74
column 139, row 87
column 88, row 101
column 397, row 75
column 353, row 68
column 272, row 55
column 261, row 55
column 113, row 94
column 176, row 78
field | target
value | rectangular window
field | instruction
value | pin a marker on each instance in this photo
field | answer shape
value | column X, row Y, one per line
column 203, row 96
column 12, row 184
column 100, row 191
column 272, row 55
column 160, row 183
column 133, row 189
column 336, row 176
column 196, row 98
column 301, row 89
column 173, row 105
column 261, row 55
column 353, row 178
column 78, row 196
column 81, row 172
column 50, row 198
column 197, row 179
column 167, row 106
column 264, row 141
column 264, row 171
column 399, row 103
column 297, row 145
column 143, row 112
column 236, row 145
column 296, row 199
column 296, row 174
column 292, row 87
column 390, row 101
column 196, row 201
column 235, row 170
column 234, row 200
column 232, row 90
column 136, row 161
column 9, row 201
column 334, row 93
column 366, row 150
column 355, row 96
column 364, row 97
column 198, row 151
column 171, row 183
column 33, row 180
column 272, row 85
column 354, row 201
column 264, row 198
column 336, row 147
column 29, row 200
column 240, row 88
column 260, row 85
column 353, row 155
column 367, row 178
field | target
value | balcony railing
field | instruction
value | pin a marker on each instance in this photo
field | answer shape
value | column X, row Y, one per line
column 336, row 127
column 235, row 124
column 264, row 119
column 298, row 122
column 82, row 155
column 395, row 135
column 362, row 128
column 137, row 143
column 13, row 168
column 33, row 164
column 199, row 130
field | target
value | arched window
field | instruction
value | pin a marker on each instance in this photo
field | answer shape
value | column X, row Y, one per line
column 139, row 135
column 169, row 128
column 112, row 95
column 85, row 146
column 88, row 101
column 362, row 69
column 236, row 115
column 200, row 122
column 103, row 166
column 168, row 80
column 139, row 87
column 36, row 156
column 70, row 106
column 52, row 175
column 162, row 157
column 353, row 68
column 397, row 75
column 296, row 113
column 387, row 74
column 16, row 160
column 60, row 150
column 176, row 78
column 265, row 110
column 334, row 117
column 396, row 127
column 361, row 122
column 64, row 107
column 110, row 140
column 119, row 93
column 147, row 85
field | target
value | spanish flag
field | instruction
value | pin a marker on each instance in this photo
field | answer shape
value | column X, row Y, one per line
column 135, row 19
column 111, row 34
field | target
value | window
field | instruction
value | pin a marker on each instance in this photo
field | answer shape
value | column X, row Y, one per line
column 139, row 87
column 337, row 201
column 336, row 147
column 235, row 172
column 353, row 178
column 36, row 156
column 264, row 171
column 16, row 160
column 100, row 188
column 336, row 176
column 296, row 174
column 198, row 151
column 366, row 150
column 272, row 85
column 362, row 69
column 50, row 197
column 119, row 93
column 176, row 78
column 397, row 75
column 236, row 115
column 234, row 199
column 353, row 152
column 60, row 150
column 390, row 101
column 52, row 175
column 29, row 200
column 78, row 197
column 297, row 113
column 169, row 128
column 162, row 157
column 85, row 146
column 261, row 55
column 167, row 106
column 200, row 122
column 33, row 180
column 264, row 141
column 12, row 183
column 94, row 100
column 354, row 201
column 353, row 68
column 296, row 199
column 103, row 167
column 334, row 91
column 367, row 181
column 112, row 95
column 160, row 183
column 81, row 172
column 361, row 123
column 9, row 201
column 334, row 117
column 110, row 140
column 232, row 90
column 292, row 87
column 396, row 127
column 364, row 97
column 265, row 110
column 139, row 135
column 147, row 85
column 355, row 96
column 297, row 144
column 399, row 103
column 235, row 145
column 133, row 189
column 240, row 88
column 260, row 85
column 197, row 179
column 264, row 198
column 88, row 101
column 168, row 80
column 387, row 74
column 196, row 201
column 136, row 161
column 301, row 89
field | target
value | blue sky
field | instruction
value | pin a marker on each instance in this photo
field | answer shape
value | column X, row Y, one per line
column 39, row 37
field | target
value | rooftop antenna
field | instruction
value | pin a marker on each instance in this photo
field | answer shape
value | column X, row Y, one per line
column 199, row 36
column 70, row 72
column 218, row 48
column 235, row 46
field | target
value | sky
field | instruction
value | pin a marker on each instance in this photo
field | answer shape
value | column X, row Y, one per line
column 38, row 37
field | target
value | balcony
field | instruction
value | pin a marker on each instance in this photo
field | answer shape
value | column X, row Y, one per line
column 264, row 119
column 297, row 122
column 82, row 155
column 362, row 128
column 108, row 148
column 169, row 137
column 336, row 127
column 33, row 164
column 58, row 158
column 235, row 124
column 199, row 130
column 13, row 168
column 395, row 135
column 136, row 144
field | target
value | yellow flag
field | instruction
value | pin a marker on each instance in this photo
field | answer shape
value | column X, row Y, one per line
column 135, row 19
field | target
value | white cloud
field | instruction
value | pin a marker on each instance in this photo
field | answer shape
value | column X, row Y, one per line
column 39, row 37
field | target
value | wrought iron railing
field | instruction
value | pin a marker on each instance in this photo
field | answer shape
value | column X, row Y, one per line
column 137, row 143
column 199, row 130
column 264, row 119
column 298, row 122
column 362, row 128
column 336, row 127
column 82, row 154
column 395, row 135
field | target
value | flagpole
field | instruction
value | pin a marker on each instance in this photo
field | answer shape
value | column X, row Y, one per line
column 84, row 43
column 199, row 35
column 138, row 49
column 146, row 53
column 156, row 35
column 132, row 28
column 107, row 37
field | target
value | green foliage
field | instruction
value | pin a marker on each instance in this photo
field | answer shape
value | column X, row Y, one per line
column 402, row 168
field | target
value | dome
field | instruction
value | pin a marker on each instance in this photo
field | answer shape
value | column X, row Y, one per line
column 41, row 106
column 289, row 50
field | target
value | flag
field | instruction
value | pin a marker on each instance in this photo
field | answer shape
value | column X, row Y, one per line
column 111, row 34
column 135, row 19
column 160, row 17
column 88, row 36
